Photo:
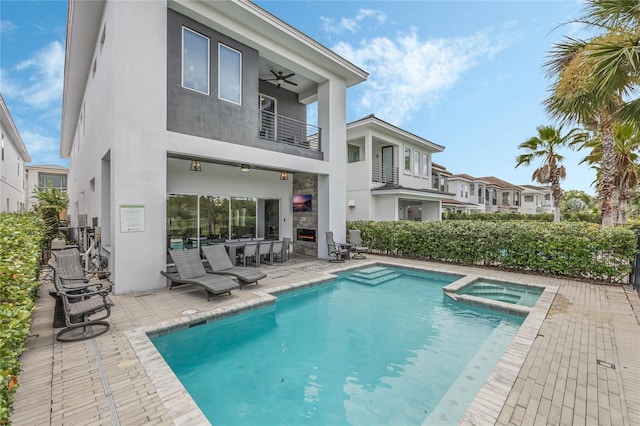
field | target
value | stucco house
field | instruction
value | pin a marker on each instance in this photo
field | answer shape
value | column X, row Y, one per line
column 389, row 173
column 501, row 196
column 469, row 194
column 536, row 199
column 13, row 155
column 186, row 121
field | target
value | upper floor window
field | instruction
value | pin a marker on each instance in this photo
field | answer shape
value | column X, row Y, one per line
column 195, row 61
column 353, row 153
column 407, row 160
column 472, row 189
column 57, row 180
column 416, row 163
column 229, row 74
column 505, row 198
column 425, row 164
column 528, row 198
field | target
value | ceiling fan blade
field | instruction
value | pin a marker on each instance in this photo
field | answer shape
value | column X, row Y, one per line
column 291, row 83
column 284, row 77
column 274, row 74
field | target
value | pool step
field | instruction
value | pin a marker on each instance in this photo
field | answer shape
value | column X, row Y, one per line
column 374, row 276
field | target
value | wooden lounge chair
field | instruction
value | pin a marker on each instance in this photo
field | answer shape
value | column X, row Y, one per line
column 80, row 310
column 359, row 247
column 338, row 252
column 220, row 263
column 191, row 271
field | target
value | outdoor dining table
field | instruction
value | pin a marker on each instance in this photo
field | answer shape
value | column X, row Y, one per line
column 231, row 247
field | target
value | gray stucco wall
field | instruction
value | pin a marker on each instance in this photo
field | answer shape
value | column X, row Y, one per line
column 193, row 113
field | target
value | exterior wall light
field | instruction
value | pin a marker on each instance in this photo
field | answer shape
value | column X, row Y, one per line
column 196, row 166
column 245, row 167
column 284, row 176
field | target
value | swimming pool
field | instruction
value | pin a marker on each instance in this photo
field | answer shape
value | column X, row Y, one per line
column 345, row 352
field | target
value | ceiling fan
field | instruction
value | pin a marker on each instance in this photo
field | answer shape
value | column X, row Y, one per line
column 281, row 79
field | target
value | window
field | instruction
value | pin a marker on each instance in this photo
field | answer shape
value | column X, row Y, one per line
column 407, row 160
column 3, row 147
column 57, row 180
column 229, row 74
column 472, row 189
column 505, row 199
column 103, row 36
column 416, row 163
column 92, row 185
column 353, row 153
column 528, row 198
column 195, row 61
column 425, row 164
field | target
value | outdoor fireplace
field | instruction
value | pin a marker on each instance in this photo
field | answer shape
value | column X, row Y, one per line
column 303, row 234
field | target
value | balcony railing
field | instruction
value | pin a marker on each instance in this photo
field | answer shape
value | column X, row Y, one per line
column 277, row 128
column 384, row 173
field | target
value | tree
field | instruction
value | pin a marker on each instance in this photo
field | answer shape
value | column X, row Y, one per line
column 595, row 80
column 545, row 146
column 50, row 202
column 626, row 167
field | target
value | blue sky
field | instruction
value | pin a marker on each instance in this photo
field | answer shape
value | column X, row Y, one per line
column 464, row 74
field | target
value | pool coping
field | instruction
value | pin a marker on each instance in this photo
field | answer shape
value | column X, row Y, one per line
column 484, row 409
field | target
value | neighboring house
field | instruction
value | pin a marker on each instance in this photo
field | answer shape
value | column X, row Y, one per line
column 536, row 199
column 186, row 123
column 469, row 194
column 389, row 173
column 12, row 158
column 501, row 196
column 40, row 177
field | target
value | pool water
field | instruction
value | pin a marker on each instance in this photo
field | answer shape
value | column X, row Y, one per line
column 343, row 353
column 502, row 292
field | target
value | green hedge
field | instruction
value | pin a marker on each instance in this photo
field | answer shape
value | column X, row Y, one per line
column 540, row 217
column 20, row 248
column 572, row 249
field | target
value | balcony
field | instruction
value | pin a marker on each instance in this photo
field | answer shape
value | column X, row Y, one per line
column 280, row 129
column 384, row 173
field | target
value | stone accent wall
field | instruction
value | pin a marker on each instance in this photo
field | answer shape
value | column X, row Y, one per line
column 305, row 183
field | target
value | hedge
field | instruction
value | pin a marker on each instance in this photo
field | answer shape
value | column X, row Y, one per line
column 20, row 250
column 571, row 249
column 528, row 217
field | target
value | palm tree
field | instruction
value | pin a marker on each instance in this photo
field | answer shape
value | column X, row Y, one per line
column 595, row 81
column 627, row 169
column 546, row 145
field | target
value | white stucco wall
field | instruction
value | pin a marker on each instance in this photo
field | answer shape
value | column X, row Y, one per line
column 12, row 187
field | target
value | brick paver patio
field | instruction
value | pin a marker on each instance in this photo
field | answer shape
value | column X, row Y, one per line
column 583, row 366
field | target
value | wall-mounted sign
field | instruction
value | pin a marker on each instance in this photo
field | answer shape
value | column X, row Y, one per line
column 131, row 217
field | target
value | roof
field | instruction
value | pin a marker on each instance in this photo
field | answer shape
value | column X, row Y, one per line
column 499, row 182
column 458, row 203
column 47, row 166
column 536, row 188
column 372, row 121
column 395, row 187
column 14, row 136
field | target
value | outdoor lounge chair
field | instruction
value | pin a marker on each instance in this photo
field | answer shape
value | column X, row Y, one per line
column 79, row 311
column 191, row 271
column 355, row 238
column 220, row 263
column 69, row 267
column 338, row 252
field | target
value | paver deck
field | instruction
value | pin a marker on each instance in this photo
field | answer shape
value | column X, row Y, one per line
column 583, row 366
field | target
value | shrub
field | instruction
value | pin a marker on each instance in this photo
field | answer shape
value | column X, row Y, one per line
column 571, row 249
column 20, row 248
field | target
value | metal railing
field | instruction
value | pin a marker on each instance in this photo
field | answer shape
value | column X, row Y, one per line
column 277, row 128
column 384, row 173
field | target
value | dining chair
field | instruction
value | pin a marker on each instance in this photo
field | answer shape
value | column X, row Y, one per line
column 250, row 252
column 264, row 251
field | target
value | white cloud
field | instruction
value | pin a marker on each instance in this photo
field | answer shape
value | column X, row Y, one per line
column 43, row 149
column 405, row 73
column 7, row 27
column 38, row 81
column 352, row 25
